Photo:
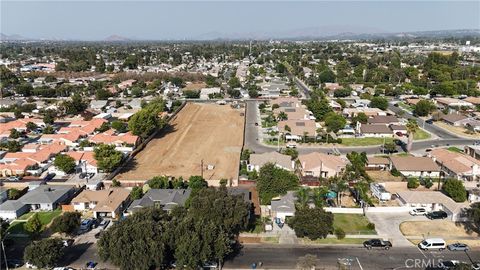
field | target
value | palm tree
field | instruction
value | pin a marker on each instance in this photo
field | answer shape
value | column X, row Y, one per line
column 318, row 196
column 282, row 116
column 342, row 186
column 303, row 197
column 412, row 127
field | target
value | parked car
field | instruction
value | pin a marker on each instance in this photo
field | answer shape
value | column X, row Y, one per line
column 14, row 178
column 68, row 242
column 448, row 264
column 437, row 215
column 377, row 243
column 29, row 265
column 399, row 134
column 432, row 243
column 104, row 223
column 458, row 247
column 82, row 175
column 418, row 211
column 86, row 224
column 14, row 263
column 49, row 176
column 429, row 121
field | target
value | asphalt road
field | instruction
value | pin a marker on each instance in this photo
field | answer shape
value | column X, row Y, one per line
column 285, row 257
column 253, row 143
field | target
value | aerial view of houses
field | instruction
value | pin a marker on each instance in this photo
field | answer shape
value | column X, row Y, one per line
column 261, row 151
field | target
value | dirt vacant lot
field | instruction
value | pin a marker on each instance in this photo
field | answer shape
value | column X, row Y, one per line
column 208, row 132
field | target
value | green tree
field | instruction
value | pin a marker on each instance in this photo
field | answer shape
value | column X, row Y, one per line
column 424, row 108
column 67, row 223
column 360, row 117
column 65, row 163
column 138, row 242
column 116, row 183
column 234, row 82
column 136, row 193
column 274, row 181
column 49, row 117
column 15, row 134
column 74, row 106
column 334, row 122
column 379, row 102
column 4, row 224
column 48, row 130
column 474, row 215
column 14, row 194
column 119, row 126
column 146, row 121
column 108, row 159
column 31, row 126
column 45, row 253
column 454, row 189
column 33, row 225
column 100, row 66
column 313, row 223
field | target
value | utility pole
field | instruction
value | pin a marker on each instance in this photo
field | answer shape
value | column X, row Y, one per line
column 201, row 168
column 3, row 248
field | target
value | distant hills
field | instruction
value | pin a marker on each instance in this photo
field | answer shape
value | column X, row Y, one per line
column 310, row 33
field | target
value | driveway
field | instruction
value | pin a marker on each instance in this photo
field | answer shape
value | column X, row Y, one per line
column 83, row 250
column 387, row 225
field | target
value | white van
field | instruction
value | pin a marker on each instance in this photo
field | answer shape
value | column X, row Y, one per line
column 432, row 243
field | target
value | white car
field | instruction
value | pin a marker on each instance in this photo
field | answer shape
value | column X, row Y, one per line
column 418, row 212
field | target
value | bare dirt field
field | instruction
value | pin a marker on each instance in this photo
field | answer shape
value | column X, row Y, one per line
column 208, row 132
column 448, row 230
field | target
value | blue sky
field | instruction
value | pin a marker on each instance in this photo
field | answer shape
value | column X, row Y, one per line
column 92, row 20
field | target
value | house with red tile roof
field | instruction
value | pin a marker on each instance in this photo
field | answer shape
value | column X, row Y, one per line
column 124, row 142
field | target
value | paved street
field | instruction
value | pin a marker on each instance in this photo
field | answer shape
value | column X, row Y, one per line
column 285, row 257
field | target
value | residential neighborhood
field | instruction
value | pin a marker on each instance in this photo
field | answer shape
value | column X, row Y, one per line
column 339, row 151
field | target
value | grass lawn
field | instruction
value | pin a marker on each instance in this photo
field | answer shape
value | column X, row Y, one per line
column 25, row 216
column 421, row 135
column 364, row 141
column 455, row 149
column 45, row 218
column 352, row 223
column 333, row 241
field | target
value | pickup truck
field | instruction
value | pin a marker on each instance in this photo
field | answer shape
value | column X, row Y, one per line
column 377, row 243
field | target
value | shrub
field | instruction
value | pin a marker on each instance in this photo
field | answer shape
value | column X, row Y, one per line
column 371, row 226
column 395, row 172
column 66, row 223
column 340, row 233
column 413, row 183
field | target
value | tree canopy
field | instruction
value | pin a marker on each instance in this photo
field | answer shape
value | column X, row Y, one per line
column 274, row 181
column 454, row 189
column 108, row 159
column 44, row 253
column 65, row 163
column 313, row 223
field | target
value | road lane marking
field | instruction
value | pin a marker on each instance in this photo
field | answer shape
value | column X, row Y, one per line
column 422, row 252
column 358, row 261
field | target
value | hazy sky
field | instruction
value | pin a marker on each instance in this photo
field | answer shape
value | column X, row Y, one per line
column 91, row 20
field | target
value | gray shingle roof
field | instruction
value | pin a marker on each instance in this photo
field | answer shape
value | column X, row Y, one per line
column 168, row 198
column 45, row 194
column 11, row 205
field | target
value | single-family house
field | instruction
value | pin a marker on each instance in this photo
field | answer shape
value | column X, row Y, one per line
column 295, row 130
column 383, row 119
column 377, row 163
column 47, row 197
column 473, row 151
column 457, row 165
column 432, row 201
column 317, row 164
column 282, row 161
column 454, row 119
column 12, row 209
column 166, row 199
column 109, row 203
column 284, row 206
column 415, row 166
column 375, row 130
